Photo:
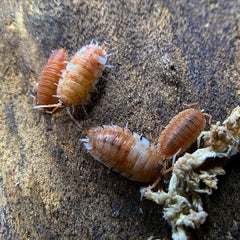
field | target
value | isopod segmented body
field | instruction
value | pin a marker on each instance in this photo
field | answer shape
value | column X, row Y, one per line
column 47, row 86
column 181, row 132
column 81, row 73
column 124, row 152
column 79, row 78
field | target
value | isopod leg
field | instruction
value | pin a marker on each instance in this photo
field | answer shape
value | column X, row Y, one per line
column 84, row 110
column 168, row 170
column 210, row 117
column 55, row 106
column 193, row 104
column 149, row 187
column 34, row 101
column 173, row 161
column 51, row 112
column 175, row 156
column 199, row 139
column 155, row 182
column 142, row 191
column 71, row 116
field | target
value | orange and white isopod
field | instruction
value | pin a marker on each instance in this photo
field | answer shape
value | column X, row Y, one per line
column 181, row 132
column 124, row 152
column 47, row 86
column 80, row 76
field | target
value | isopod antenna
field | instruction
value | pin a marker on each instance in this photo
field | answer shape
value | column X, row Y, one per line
column 72, row 117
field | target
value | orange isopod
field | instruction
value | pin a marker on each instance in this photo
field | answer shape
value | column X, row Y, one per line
column 79, row 78
column 47, row 86
column 124, row 152
column 81, row 73
column 181, row 132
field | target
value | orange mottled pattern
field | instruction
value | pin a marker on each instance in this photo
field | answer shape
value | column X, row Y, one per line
column 47, row 86
column 124, row 152
column 79, row 79
column 180, row 133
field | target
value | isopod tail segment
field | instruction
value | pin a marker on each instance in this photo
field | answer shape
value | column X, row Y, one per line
column 180, row 133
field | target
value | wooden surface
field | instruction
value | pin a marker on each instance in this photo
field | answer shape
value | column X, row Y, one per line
column 165, row 53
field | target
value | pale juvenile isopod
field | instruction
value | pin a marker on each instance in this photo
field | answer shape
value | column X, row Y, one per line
column 181, row 132
column 47, row 86
column 123, row 152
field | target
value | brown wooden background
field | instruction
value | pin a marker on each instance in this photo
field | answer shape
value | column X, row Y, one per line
column 165, row 53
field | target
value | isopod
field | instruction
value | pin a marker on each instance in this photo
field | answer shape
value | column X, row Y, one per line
column 124, row 152
column 79, row 77
column 47, row 86
column 181, row 132
column 81, row 74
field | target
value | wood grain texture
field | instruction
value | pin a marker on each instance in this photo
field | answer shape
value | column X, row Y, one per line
column 165, row 53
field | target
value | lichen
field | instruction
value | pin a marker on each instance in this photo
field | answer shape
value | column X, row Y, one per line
column 183, row 206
